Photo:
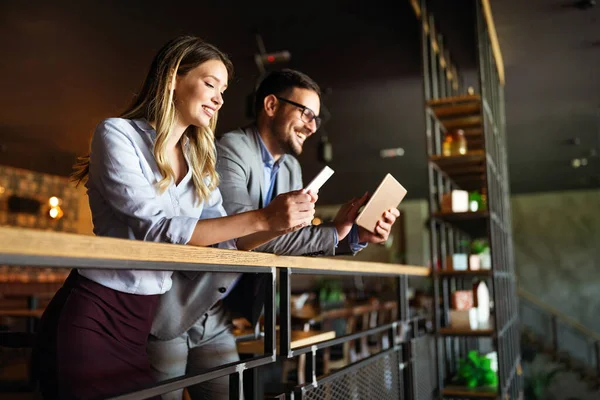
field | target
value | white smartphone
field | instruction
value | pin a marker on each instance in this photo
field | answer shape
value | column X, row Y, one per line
column 320, row 179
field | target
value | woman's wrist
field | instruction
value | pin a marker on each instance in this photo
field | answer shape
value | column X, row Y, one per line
column 260, row 219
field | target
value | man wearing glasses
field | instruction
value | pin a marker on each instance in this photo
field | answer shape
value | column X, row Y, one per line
column 255, row 164
column 258, row 162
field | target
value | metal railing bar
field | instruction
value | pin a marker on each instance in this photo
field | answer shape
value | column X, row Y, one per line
column 342, row 371
column 190, row 380
column 353, row 336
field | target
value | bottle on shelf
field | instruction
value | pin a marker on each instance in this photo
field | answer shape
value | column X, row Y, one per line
column 454, row 144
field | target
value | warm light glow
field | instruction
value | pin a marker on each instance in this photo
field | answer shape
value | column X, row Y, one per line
column 1, row 189
column 56, row 213
column 317, row 221
column 54, row 202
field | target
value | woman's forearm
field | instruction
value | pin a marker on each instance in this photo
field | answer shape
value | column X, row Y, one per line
column 217, row 230
column 286, row 213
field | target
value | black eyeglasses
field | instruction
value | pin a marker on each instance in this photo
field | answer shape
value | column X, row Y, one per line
column 307, row 114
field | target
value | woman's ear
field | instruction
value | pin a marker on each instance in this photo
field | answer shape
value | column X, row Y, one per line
column 270, row 104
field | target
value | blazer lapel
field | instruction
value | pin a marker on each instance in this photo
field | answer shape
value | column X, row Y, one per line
column 282, row 182
column 256, row 160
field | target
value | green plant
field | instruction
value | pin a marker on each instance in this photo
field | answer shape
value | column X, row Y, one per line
column 479, row 246
column 476, row 370
column 330, row 290
column 537, row 383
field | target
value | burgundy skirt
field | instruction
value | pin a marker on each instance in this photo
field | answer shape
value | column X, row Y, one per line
column 101, row 341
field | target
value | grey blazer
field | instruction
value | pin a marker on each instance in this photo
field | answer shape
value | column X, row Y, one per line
column 241, row 170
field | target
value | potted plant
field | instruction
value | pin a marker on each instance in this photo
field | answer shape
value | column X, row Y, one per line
column 480, row 255
column 476, row 371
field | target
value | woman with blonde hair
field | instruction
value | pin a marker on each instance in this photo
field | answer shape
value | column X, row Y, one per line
column 151, row 176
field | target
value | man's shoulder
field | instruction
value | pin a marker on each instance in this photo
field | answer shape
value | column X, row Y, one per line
column 235, row 138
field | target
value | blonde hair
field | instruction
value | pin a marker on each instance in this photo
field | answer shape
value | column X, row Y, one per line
column 155, row 104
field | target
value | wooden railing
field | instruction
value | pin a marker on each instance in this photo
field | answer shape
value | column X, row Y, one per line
column 35, row 248
column 21, row 243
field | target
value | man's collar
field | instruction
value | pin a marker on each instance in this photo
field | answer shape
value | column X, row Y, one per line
column 264, row 152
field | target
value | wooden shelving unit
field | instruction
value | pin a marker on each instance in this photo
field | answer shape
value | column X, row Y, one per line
column 466, row 332
column 483, row 168
column 468, row 170
column 470, row 393
column 458, row 112
column 473, row 224
column 468, row 273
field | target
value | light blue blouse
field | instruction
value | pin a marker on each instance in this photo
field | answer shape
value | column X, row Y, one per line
column 125, row 202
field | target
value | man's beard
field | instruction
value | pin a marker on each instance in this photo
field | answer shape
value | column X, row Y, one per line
column 287, row 142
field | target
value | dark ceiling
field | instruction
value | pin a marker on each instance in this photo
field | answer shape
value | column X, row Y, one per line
column 69, row 64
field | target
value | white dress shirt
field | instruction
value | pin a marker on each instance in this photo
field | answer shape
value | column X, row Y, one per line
column 125, row 201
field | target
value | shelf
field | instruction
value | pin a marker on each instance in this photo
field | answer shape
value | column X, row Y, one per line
column 461, row 216
column 475, row 157
column 472, row 223
column 460, row 112
column 456, row 274
column 466, row 332
column 472, row 393
column 467, row 171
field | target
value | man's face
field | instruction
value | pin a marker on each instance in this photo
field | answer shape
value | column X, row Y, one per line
column 289, row 128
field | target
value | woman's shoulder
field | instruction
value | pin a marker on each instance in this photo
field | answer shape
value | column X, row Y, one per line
column 122, row 132
column 122, row 125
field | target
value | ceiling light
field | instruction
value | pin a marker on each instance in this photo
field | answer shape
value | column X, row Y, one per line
column 389, row 153
column 579, row 162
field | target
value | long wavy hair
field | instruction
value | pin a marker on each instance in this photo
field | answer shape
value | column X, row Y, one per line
column 155, row 103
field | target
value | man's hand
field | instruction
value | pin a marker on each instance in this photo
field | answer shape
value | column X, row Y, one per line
column 346, row 215
column 290, row 211
column 382, row 228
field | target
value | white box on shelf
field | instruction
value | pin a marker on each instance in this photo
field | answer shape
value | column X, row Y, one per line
column 457, row 262
column 485, row 261
column 474, row 262
column 455, row 201
column 464, row 319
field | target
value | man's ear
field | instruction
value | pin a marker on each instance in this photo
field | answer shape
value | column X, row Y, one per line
column 270, row 104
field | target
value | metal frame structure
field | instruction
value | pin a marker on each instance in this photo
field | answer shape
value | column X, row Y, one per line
column 484, row 169
column 407, row 340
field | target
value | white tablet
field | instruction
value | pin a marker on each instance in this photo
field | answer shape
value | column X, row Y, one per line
column 388, row 195
column 320, row 179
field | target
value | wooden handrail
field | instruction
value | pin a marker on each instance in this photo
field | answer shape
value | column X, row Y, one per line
column 489, row 19
column 559, row 315
column 21, row 241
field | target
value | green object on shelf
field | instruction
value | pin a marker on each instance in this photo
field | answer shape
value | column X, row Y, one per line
column 479, row 199
column 475, row 371
column 479, row 246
